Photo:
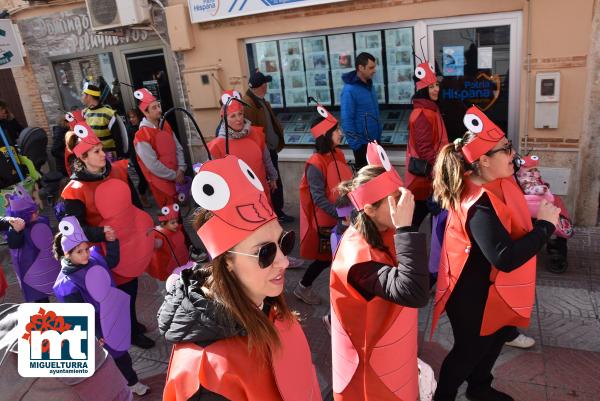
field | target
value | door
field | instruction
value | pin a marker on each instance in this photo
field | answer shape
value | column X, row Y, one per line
column 477, row 60
column 148, row 69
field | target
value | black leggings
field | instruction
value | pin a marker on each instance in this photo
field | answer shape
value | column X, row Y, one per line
column 131, row 289
column 125, row 365
column 421, row 211
column 313, row 271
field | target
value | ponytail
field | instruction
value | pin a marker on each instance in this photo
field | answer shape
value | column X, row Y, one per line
column 362, row 222
column 57, row 247
column 449, row 172
column 71, row 140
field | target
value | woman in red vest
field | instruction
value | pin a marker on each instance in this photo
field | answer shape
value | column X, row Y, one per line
column 235, row 338
column 245, row 141
column 159, row 153
column 378, row 279
column 426, row 137
column 100, row 196
column 486, row 281
column 323, row 171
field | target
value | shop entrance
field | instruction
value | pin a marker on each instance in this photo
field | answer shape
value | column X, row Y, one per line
column 148, row 69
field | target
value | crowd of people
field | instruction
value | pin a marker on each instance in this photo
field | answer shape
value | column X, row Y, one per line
column 234, row 336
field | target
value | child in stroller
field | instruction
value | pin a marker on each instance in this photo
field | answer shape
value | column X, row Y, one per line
column 535, row 190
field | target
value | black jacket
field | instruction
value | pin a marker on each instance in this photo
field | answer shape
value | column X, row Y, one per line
column 12, row 129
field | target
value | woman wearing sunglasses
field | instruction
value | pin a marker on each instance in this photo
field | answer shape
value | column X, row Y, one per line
column 234, row 336
column 378, row 279
column 486, row 281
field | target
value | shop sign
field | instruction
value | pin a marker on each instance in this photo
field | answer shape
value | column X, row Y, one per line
column 10, row 49
column 483, row 91
column 211, row 10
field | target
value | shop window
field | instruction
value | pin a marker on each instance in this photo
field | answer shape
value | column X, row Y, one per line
column 98, row 69
column 313, row 66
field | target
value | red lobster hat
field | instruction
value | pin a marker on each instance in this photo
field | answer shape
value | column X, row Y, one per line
column 86, row 135
column 380, row 186
column 328, row 123
column 425, row 74
column 529, row 161
column 487, row 134
column 233, row 105
column 169, row 212
column 233, row 193
column 145, row 97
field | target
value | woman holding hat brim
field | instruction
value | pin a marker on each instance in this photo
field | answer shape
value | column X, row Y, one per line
column 426, row 137
column 246, row 141
column 378, row 279
column 100, row 196
column 235, row 338
column 486, row 281
column 323, row 171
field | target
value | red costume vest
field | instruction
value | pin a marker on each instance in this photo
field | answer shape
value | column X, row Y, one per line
column 511, row 295
column 163, row 262
column 421, row 187
column 226, row 368
column 374, row 343
column 249, row 148
column 108, row 203
column 163, row 144
column 333, row 171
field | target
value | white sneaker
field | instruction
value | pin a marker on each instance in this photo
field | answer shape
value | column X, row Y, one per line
column 522, row 341
column 139, row 388
column 307, row 295
column 295, row 262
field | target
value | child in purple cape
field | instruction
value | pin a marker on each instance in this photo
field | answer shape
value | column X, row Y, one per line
column 31, row 247
column 85, row 277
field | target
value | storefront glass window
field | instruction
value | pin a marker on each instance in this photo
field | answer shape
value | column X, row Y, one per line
column 313, row 67
column 98, row 69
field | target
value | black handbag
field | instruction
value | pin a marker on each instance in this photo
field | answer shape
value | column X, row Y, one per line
column 419, row 167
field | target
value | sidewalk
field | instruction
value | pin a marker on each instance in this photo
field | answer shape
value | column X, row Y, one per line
column 562, row 366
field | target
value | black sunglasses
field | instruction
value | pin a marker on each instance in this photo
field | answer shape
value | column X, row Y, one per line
column 506, row 149
column 266, row 253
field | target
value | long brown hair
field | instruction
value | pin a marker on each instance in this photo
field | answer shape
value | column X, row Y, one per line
column 449, row 172
column 226, row 290
column 363, row 223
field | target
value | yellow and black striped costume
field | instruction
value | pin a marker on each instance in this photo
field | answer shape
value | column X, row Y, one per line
column 101, row 119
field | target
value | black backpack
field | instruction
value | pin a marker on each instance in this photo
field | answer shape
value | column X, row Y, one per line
column 32, row 143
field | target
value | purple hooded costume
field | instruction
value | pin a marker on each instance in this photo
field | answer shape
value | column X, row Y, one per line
column 94, row 284
column 34, row 264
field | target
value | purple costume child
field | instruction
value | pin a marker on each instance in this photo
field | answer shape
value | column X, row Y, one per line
column 92, row 283
column 31, row 249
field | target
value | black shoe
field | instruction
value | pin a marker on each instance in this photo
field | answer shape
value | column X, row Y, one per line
column 284, row 218
column 558, row 264
column 140, row 340
column 487, row 394
column 140, row 328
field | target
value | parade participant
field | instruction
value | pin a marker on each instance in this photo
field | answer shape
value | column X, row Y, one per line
column 100, row 196
column 426, row 137
column 85, row 277
column 245, row 141
column 30, row 243
column 158, row 151
column 9, row 124
column 235, row 338
column 486, row 281
column 105, row 122
column 323, row 171
column 170, row 249
column 135, row 116
column 378, row 279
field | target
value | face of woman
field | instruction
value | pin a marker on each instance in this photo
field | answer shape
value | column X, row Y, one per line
column 96, row 159
column 235, row 120
column 80, row 255
column 381, row 215
column 498, row 162
column 434, row 91
column 133, row 119
column 336, row 137
column 259, row 283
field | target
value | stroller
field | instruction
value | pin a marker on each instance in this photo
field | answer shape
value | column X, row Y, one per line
column 535, row 190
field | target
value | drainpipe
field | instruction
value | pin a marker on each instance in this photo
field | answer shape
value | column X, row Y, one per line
column 527, row 77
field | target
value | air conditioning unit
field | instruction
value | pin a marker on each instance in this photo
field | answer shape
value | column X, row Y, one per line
column 110, row 14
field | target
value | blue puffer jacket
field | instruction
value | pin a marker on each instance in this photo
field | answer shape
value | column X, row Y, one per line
column 359, row 99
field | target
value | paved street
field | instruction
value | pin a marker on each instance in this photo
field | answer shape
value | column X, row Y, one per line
column 562, row 366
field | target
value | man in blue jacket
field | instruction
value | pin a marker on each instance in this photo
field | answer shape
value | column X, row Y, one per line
column 359, row 98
